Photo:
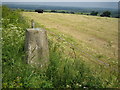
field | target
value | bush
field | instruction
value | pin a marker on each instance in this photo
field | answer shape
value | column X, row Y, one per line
column 53, row 11
column 106, row 14
column 94, row 13
column 39, row 10
column 72, row 12
column 62, row 12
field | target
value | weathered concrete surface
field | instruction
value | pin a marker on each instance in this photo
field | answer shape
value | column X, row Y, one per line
column 36, row 47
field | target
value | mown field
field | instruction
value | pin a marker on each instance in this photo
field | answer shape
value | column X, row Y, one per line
column 92, row 34
column 95, row 39
column 83, row 51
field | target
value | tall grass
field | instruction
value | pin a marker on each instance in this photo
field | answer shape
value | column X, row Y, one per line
column 64, row 70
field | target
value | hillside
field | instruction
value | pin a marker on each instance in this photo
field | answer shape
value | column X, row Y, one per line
column 93, row 39
column 81, row 52
column 94, row 35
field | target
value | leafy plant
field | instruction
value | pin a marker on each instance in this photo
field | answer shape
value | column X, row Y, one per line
column 94, row 13
column 106, row 14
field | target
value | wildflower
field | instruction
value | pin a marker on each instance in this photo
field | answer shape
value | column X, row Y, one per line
column 8, row 19
column 18, row 77
column 80, row 85
column 77, row 84
column 68, row 86
column 84, row 87
column 2, row 19
column 19, row 28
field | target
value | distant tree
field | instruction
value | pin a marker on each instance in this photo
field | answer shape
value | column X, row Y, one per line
column 72, row 12
column 47, row 10
column 117, row 16
column 66, row 12
column 39, row 10
column 22, row 10
column 106, row 14
column 62, row 12
column 81, row 13
column 94, row 13
column 53, row 11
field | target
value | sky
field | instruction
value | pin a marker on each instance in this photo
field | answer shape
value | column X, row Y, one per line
column 59, row 0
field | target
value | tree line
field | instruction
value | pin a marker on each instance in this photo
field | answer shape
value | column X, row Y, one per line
column 93, row 13
column 104, row 14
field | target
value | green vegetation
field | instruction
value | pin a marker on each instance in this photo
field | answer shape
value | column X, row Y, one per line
column 96, row 41
column 106, row 14
column 94, row 13
column 67, row 68
column 79, row 12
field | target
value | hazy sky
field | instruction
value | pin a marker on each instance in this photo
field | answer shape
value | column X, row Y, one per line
column 59, row 0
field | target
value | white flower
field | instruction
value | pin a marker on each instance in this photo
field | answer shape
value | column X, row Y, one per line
column 2, row 18
column 67, row 86
column 77, row 84
column 80, row 85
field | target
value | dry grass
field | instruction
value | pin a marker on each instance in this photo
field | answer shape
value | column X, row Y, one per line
column 98, row 35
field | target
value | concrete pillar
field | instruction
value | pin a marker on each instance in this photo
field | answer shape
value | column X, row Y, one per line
column 36, row 47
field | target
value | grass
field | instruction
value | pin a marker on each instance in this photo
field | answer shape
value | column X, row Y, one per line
column 98, row 40
column 90, row 33
column 68, row 67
